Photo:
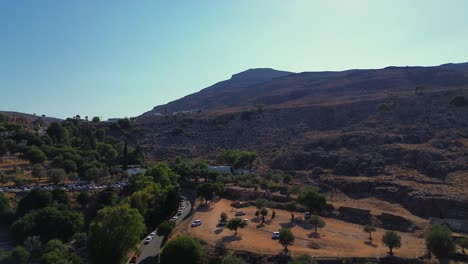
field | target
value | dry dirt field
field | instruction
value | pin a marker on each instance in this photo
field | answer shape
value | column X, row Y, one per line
column 336, row 239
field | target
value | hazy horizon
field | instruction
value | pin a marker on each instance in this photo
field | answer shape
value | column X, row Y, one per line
column 116, row 59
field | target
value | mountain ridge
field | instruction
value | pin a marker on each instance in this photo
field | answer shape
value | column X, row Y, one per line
column 273, row 87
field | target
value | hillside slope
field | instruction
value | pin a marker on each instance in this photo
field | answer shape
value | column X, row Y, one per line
column 390, row 133
column 228, row 92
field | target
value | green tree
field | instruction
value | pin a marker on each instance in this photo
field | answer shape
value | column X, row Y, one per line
column 183, row 249
column 369, row 229
column 4, row 178
column 230, row 259
column 69, row 166
column 20, row 255
column 439, row 241
column 48, row 223
column 57, row 175
column 36, row 199
column 290, row 206
column 57, row 132
column 34, row 245
column 56, row 252
column 312, row 199
column 264, row 213
column 96, row 119
column 463, row 243
column 4, row 205
column 114, row 232
column 317, row 221
column 60, row 196
column 223, row 217
column 35, row 155
column 303, row 259
column 287, row 179
column 260, row 203
column 286, row 238
column 208, row 190
column 165, row 228
column 182, row 168
column 234, row 224
column 83, row 199
column 38, row 171
column 392, row 240
column 162, row 174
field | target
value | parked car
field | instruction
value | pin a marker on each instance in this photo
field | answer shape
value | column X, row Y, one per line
column 196, row 223
column 238, row 213
column 152, row 234
column 275, row 235
column 147, row 240
column 307, row 215
column 174, row 217
column 134, row 259
column 246, row 221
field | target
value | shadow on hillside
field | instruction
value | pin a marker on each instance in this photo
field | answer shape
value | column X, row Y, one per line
column 228, row 239
column 256, row 220
column 304, row 224
column 204, row 208
column 287, row 225
column 314, row 235
column 369, row 243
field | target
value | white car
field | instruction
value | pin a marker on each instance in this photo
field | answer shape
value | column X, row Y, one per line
column 275, row 235
column 152, row 234
column 196, row 223
column 246, row 221
column 174, row 217
column 147, row 240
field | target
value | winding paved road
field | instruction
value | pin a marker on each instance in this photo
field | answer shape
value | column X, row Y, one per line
column 150, row 251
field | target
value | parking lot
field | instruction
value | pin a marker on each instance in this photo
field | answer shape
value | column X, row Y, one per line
column 336, row 239
column 68, row 187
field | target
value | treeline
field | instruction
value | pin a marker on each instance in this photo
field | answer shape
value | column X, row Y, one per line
column 102, row 227
column 77, row 147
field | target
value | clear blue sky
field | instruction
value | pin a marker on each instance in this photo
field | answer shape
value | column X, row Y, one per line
column 120, row 58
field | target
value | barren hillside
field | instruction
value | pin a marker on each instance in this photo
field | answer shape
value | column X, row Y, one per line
column 390, row 133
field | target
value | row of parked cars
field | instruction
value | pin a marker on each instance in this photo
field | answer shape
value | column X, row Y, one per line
column 67, row 187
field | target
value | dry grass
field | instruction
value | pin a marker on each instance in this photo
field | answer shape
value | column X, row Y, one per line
column 337, row 239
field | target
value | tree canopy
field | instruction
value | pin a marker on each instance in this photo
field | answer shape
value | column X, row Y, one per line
column 235, row 223
column 312, row 199
column 114, row 232
column 48, row 223
column 439, row 241
column 183, row 249
column 286, row 238
column 392, row 240
column 237, row 159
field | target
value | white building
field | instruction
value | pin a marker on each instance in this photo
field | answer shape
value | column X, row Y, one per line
column 220, row 169
column 134, row 170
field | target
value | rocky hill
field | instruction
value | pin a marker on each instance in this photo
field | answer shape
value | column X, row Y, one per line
column 393, row 133
column 226, row 93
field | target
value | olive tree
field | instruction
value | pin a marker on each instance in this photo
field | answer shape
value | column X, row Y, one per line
column 369, row 229
column 439, row 241
column 392, row 240
column 286, row 238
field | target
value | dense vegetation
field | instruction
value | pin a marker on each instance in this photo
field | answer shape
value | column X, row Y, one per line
column 72, row 148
